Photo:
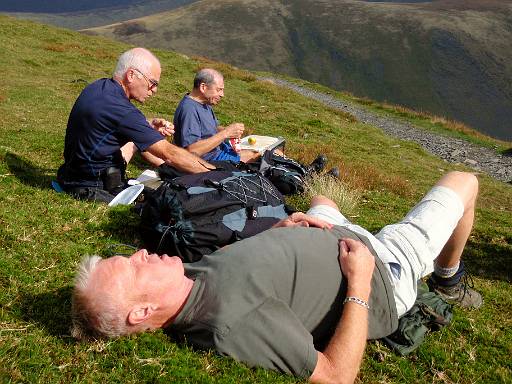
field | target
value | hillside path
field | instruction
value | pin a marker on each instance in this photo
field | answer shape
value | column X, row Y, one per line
column 450, row 149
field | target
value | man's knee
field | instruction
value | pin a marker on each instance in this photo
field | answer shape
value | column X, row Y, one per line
column 128, row 150
column 248, row 156
column 465, row 184
column 322, row 200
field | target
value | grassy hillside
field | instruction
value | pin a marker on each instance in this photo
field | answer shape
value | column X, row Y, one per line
column 452, row 58
column 44, row 234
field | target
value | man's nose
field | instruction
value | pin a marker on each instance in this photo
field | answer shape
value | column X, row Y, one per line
column 139, row 254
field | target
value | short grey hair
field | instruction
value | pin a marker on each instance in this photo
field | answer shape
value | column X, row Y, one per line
column 207, row 76
column 136, row 58
column 94, row 317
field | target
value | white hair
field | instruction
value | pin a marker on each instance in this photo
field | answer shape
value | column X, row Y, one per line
column 137, row 58
column 96, row 317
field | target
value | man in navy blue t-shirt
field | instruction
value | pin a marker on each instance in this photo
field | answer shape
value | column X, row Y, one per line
column 197, row 128
column 105, row 129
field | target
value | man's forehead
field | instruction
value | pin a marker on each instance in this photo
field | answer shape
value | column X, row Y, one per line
column 111, row 268
column 219, row 83
column 156, row 69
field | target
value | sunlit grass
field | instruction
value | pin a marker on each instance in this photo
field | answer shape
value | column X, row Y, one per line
column 43, row 234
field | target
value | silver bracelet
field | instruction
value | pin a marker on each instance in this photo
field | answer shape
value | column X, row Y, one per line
column 356, row 300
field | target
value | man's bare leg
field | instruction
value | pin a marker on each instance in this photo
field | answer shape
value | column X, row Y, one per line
column 466, row 186
column 248, row 156
column 447, row 278
column 129, row 149
column 322, row 200
column 152, row 159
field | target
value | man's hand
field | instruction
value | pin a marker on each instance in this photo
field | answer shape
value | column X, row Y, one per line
column 234, row 131
column 163, row 126
column 357, row 264
column 340, row 361
column 299, row 219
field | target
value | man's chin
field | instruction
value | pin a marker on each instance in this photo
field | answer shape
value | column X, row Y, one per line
column 140, row 99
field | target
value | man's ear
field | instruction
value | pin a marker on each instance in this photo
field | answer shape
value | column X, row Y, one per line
column 140, row 313
column 129, row 75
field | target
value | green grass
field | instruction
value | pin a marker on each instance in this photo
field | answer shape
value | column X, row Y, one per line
column 43, row 234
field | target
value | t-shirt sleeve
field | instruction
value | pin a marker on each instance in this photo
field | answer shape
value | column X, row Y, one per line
column 187, row 119
column 134, row 127
column 272, row 337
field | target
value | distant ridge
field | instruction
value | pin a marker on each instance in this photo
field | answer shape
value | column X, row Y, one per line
column 60, row 6
column 85, row 14
column 451, row 58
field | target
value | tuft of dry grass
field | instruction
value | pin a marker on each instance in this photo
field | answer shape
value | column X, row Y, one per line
column 97, row 53
column 368, row 177
column 357, row 175
column 321, row 184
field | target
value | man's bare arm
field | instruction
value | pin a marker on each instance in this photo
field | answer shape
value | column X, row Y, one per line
column 300, row 219
column 340, row 361
column 201, row 147
column 179, row 158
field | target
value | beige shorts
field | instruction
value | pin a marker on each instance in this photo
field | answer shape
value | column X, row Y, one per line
column 409, row 247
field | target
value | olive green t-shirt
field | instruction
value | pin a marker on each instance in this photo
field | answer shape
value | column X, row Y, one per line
column 272, row 300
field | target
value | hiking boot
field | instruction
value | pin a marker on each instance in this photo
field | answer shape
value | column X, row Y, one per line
column 333, row 172
column 318, row 164
column 461, row 293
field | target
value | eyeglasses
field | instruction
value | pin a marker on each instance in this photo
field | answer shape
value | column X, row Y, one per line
column 151, row 82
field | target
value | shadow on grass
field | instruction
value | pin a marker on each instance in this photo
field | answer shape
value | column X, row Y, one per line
column 28, row 173
column 487, row 260
column 50, row 310
column 138, row 162
column 123, row 226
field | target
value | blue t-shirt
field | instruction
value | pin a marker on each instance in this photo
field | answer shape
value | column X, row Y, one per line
column 194, row 121
column 102, row 120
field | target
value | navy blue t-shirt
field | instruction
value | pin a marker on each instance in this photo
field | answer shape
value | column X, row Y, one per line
column 102, row 120
column 194, row 121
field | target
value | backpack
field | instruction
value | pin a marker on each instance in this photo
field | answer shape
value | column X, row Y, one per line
column 430, row 312
column 286, row 174
column 194, row 215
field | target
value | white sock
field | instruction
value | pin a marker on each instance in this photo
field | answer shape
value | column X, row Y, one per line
column 445, row 272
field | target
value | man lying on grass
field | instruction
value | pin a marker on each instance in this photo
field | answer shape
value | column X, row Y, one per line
column 301, row 299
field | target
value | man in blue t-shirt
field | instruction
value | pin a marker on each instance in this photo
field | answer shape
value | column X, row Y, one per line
column 105, row 130
column 197, row 128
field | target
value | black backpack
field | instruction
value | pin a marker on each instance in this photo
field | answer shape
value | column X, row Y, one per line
column 286, row 174
column 194, row 215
